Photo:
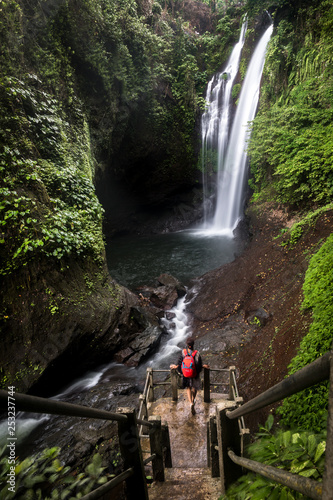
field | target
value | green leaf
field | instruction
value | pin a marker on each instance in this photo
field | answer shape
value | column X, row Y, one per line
column 286, row 438
column 320, row 450
column 297, row 467
column 308, row 472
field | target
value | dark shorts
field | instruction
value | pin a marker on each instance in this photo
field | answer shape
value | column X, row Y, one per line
column 192, row 382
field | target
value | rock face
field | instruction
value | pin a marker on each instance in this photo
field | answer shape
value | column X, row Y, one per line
column 145, row 320
column 60, row 322
column 166, row 293
column 146, row 339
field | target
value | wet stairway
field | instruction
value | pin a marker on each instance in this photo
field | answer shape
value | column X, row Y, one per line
column 189, row 477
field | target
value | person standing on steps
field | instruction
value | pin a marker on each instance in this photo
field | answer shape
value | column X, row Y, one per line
column 190, row 365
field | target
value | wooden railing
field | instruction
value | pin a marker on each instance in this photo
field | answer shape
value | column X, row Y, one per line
column 227, row 434
column 128, row 434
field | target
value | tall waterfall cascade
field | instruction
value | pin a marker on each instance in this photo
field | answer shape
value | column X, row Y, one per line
column 224, row 150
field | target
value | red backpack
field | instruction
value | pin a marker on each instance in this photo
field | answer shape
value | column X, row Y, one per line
column 188, row 364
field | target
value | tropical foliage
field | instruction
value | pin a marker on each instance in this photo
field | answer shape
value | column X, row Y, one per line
column 308, row 409
column 291, row 143
column 300, row 453
column 72, row 76
column 43, row 476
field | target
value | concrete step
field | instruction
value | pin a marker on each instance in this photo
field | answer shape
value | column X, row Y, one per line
column 188, row 433
column 186, row 484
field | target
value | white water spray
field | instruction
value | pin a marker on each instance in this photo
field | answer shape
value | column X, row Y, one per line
column 232, row 159
column 178, row 329
column 26, row 422
column 216, row 119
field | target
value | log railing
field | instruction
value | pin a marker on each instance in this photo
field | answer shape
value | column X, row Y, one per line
column 128, row 434
column 230, row 463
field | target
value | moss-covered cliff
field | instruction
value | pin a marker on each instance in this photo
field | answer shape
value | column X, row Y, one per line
column 91, row 93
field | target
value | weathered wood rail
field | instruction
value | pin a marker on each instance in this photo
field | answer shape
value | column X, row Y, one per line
column 129, row 440
column 226, row 431
column 231, row 465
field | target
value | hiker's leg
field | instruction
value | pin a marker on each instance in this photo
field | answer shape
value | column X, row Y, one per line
column 193, row 393
column 189, row 394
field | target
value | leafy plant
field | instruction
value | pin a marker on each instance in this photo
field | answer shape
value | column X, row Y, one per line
column 308, row 409
column 298, row 229
column 297, row 452
column 43, row 476
column 292, row 134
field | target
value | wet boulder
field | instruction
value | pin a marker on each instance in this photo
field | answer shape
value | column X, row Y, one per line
column 259, row 317
column 166, row 292
column 144, row 345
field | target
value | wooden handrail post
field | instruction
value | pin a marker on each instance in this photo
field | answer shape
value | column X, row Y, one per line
column 206, row 385
column 156, row 447
column 212, row 452
column 130, row 448
column 174, row 384
column 150, row 385
column 143, row 400
column 232, row 370
column 144, row 413
column 228, row 437
column 166, row 446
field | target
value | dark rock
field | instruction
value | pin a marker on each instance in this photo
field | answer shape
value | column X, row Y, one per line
column 221, row 339
column 145, row 344
column 82, row 448
column 259, row 317
column 123, row 355
column 58, row 327
column 165, row 294
column 135, row 360
column 164, row 297
column 170, row 315
column 167, row 279
column 143, row 316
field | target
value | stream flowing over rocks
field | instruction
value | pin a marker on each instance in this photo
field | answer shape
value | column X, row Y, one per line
column 112, row 385
column 246, row 314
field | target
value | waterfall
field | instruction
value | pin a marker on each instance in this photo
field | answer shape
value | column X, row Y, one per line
column 216, row 118
column 232, row 157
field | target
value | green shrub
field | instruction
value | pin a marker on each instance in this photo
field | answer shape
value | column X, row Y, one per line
column 300, row 453
column 43, row 477
column 308, row 409
column 291, row 142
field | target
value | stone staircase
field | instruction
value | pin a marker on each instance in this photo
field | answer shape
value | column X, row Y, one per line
column 189, row 477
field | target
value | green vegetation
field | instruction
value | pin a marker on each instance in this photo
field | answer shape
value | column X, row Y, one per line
column 308, row 409
column 293, row 235
column 300, row 453
column 72, row 78
column 79, row 80
column 291, row 141
column 48, row 202
column 299, row 447
column 42, row 476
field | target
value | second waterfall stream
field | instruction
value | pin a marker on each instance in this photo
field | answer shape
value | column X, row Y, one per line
column 224, row 151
